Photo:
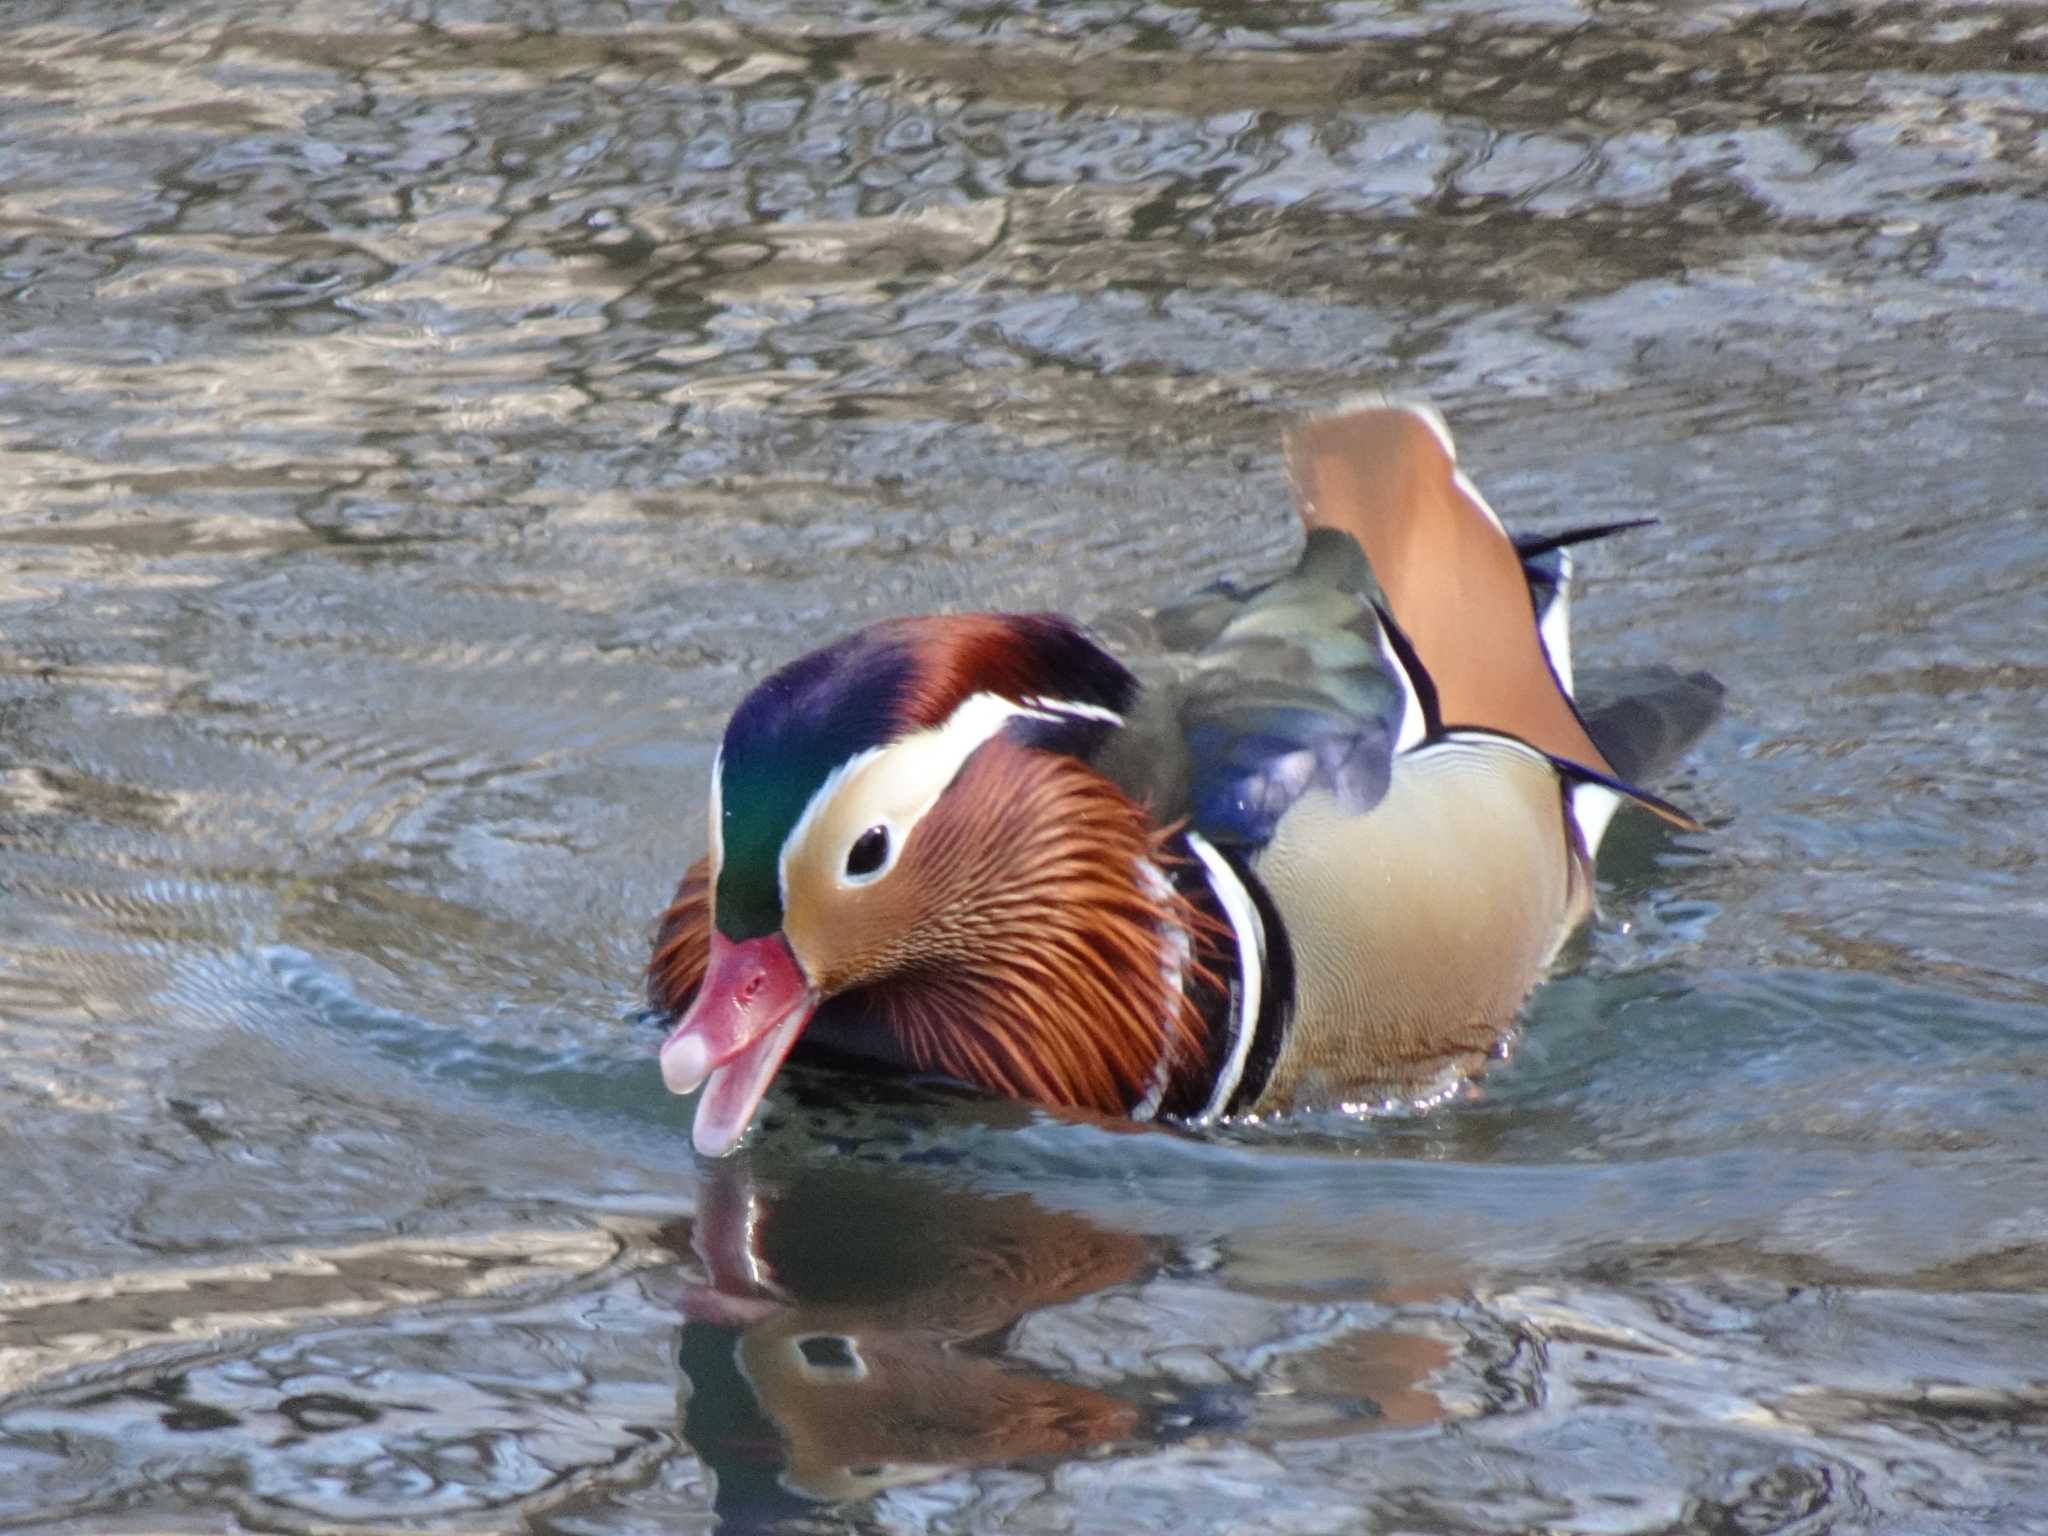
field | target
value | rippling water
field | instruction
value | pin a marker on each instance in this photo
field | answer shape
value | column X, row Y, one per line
column 419, row 424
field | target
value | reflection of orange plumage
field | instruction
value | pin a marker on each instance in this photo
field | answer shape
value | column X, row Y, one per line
column 851, row 1338
column 836, row 1247
column 1379, row 1365
column 855, row 1340
column 863, row 1410
column 1388, row 1368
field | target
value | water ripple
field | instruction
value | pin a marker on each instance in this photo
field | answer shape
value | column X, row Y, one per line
column 421, row 427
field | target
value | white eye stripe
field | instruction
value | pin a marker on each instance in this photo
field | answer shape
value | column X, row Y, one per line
column 1037, row 704
column 920, row 768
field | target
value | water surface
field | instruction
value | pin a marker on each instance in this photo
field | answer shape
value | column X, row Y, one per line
column 420, row 424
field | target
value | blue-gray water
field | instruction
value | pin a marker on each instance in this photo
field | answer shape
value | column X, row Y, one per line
column 420, row 422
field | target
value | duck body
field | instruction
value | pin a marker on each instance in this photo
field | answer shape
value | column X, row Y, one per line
column 1316, row 842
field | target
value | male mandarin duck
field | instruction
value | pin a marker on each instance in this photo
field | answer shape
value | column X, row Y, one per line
column 1323, row 852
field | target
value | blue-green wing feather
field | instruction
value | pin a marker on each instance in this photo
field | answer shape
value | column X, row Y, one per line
column 1269, row 693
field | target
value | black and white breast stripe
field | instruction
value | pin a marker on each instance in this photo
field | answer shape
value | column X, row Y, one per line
column 1248, row 1015
column 1248, row 986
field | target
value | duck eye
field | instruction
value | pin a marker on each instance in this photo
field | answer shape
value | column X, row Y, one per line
column 867, row 853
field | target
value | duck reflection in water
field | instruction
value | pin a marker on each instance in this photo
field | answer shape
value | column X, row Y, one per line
column 854, row 1334
column 851, row 1330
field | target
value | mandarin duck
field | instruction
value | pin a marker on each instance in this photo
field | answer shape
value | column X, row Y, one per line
column 1317, row 846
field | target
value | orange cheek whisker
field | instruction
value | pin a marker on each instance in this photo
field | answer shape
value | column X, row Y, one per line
column 1043, row 970
column 682, row 942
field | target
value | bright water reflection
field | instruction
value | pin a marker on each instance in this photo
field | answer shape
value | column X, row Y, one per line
column 419, row 425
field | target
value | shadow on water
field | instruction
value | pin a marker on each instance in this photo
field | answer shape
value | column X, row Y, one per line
column 419, row 426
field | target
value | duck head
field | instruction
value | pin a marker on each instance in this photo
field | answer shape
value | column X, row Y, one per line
column 912, row 860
